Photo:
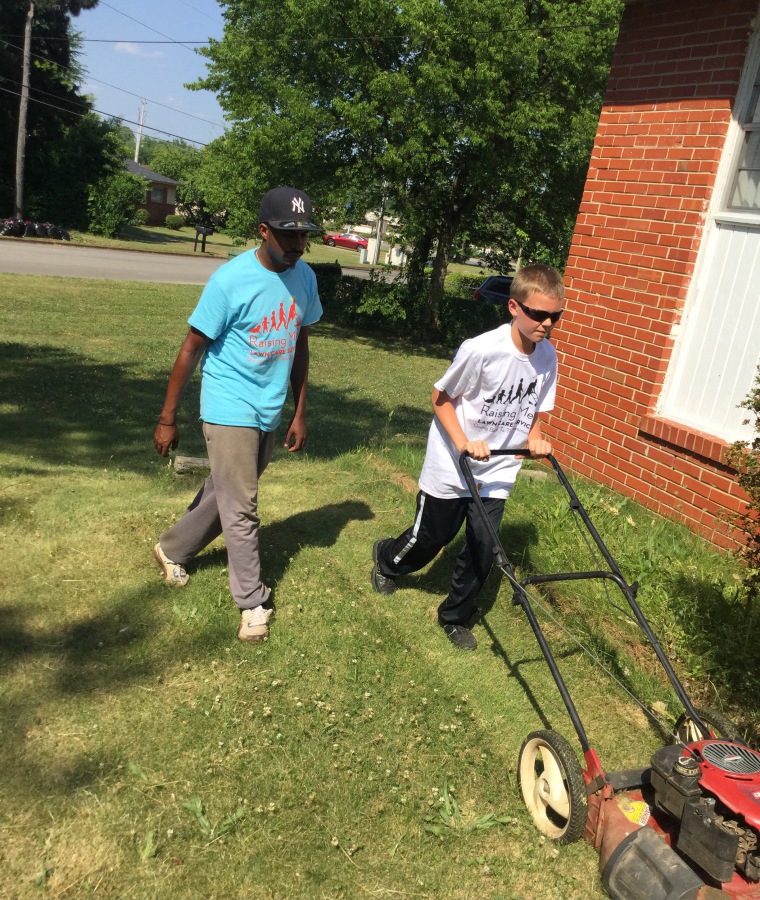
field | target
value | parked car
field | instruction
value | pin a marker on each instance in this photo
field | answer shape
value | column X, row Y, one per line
column 495, row 289
column 349, row 241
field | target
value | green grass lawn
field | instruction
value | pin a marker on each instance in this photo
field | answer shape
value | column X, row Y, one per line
column 149, row 754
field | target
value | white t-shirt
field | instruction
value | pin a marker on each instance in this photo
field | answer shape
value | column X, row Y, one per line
column 496, row 391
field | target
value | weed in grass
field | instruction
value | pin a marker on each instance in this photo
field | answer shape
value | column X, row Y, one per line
column 212, row 832
column 149, row 848
column 44, row 875
column 449, row 816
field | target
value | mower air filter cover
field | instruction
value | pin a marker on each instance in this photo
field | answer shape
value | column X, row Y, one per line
column 731, row 772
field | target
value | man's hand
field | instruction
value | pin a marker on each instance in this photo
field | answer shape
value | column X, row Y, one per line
column 296, row 436
column 477, row 450
column 165, row 438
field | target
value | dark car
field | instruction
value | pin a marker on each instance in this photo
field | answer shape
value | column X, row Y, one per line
column 495, row 289
column 349, row 241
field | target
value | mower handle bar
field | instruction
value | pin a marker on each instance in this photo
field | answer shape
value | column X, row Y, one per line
column 521, row 597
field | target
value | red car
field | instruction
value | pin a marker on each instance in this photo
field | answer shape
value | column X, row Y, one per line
column 349, row 241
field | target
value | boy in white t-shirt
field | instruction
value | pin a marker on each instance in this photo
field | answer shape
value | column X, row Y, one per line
column 490, row 398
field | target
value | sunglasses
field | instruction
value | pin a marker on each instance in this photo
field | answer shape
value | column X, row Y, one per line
column 540, row 315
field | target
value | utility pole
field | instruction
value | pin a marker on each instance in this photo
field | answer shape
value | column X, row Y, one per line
column 18, row 205
column 140, row 120
column 378, row 232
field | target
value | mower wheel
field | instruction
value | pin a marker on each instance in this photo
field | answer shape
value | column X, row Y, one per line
column 552, row 787
column 718, row 726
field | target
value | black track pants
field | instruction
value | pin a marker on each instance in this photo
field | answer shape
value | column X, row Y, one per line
column 436, row 524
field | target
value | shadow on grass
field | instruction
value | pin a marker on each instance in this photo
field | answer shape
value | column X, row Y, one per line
column 513, row 668
column 111, row 651
column 63, row 408
column 280, row 540
column 377, row 340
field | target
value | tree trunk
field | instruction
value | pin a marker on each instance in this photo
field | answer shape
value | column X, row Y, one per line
column 416, row 268
column 18, row 206
column 438, row 278
column 461, row 206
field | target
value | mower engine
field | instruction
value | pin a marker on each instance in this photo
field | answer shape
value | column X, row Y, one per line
column 713, row 789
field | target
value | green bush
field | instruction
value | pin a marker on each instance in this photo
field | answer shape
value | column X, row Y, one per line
column 394, row 310
column 141, row 217
column 112, row 202
column 174, row 222
column 744, row 457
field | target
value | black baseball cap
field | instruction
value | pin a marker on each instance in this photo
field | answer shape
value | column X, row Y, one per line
column 288, row 208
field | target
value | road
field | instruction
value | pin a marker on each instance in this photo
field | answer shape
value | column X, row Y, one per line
column 27, row 257
column 31, row 257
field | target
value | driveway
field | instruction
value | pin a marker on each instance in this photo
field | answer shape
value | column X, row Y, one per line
column 27, row 256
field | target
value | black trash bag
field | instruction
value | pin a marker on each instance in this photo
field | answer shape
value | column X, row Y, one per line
column 29, row 230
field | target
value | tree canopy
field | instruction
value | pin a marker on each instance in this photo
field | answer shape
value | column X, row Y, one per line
column 466, row 115
column 183, row 162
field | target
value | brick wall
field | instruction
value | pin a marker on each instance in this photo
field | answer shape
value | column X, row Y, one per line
column 660, row 136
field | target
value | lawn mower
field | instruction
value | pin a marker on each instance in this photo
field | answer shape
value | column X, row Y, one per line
column 684, row 827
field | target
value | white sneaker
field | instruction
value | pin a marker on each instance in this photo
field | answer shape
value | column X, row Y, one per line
column 254, row 623
column 173, row 572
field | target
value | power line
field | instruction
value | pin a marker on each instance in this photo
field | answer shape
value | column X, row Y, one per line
column 74, row 102
column 340, row 39
column 83, row 40
column 190, row 6
column 100, row 112
column 123, row 90
column 155, row 31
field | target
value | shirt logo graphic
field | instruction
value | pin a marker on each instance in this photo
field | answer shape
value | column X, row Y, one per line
column 508, row 409
column 274, row 321
column 298, row 205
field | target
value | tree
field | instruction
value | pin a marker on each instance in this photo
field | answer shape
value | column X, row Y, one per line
column 465, row 114
column 184, row 163
column 113, row 201
column 86, row 150
column 51, row 83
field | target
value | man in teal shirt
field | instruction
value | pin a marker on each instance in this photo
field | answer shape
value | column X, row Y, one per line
column 250, row 332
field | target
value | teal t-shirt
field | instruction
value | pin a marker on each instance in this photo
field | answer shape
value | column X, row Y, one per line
column 253, row 318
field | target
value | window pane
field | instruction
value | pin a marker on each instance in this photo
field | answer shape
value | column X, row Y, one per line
column 754, row 113
column 746, row 190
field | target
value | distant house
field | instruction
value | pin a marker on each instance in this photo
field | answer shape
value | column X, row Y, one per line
column 161, row 195
column 662, row 337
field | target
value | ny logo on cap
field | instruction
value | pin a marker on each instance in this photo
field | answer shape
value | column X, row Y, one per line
column 298, row 205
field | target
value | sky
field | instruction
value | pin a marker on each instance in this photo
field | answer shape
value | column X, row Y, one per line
column 124, row 66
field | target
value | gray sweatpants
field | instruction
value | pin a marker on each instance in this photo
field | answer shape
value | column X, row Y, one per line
column 228, row 504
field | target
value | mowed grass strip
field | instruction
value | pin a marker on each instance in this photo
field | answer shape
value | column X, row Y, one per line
column 149, row 753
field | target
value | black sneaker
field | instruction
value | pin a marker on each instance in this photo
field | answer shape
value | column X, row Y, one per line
column 459, row 635
column 383, row 584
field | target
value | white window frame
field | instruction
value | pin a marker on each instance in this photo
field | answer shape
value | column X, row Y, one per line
column 718, row 215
